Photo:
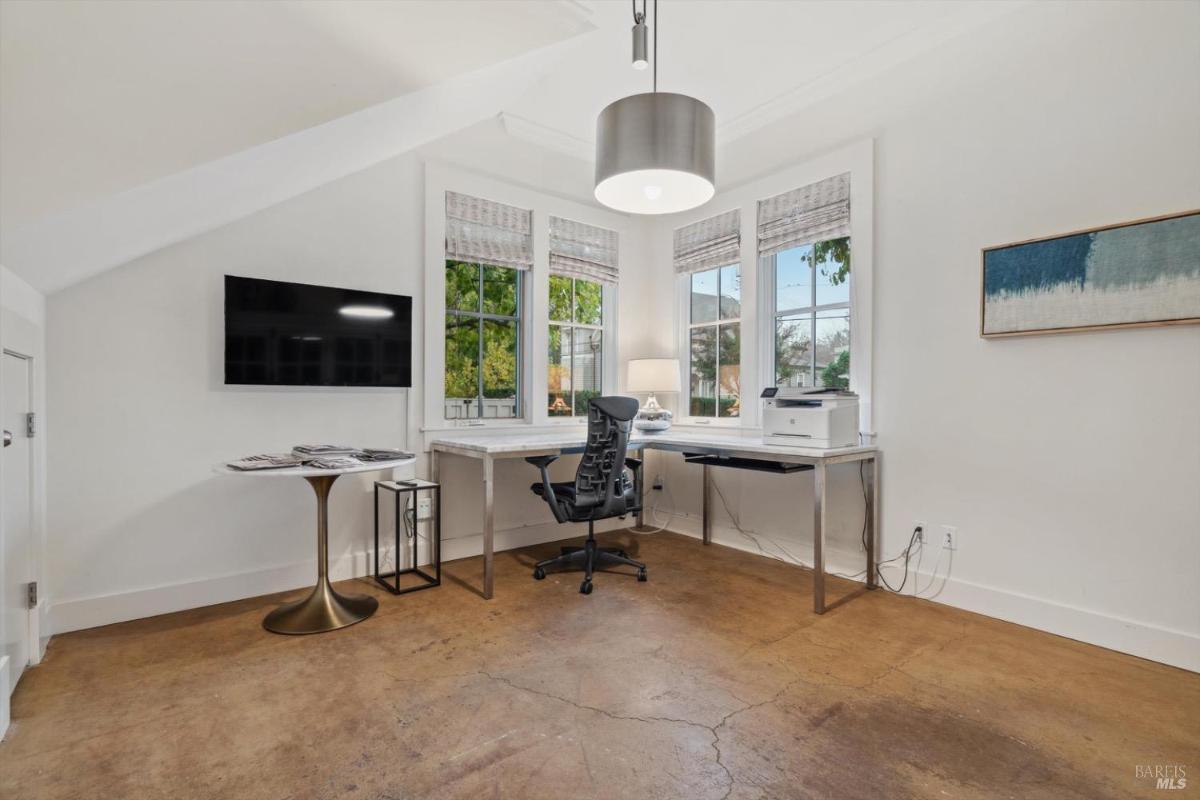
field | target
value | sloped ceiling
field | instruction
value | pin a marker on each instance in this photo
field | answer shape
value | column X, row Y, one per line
column 126, row 126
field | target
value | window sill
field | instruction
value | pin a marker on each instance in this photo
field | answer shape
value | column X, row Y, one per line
column 487, row 425
column 700, row 423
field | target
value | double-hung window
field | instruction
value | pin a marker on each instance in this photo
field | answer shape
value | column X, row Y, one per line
column 576, row 345
column 812, row 314
column 706, row 255
column 804, row 249
column 488, row 250
column 583, row 265
column 715, row 342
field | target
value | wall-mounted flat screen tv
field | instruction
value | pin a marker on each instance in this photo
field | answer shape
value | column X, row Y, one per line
column 295, row 334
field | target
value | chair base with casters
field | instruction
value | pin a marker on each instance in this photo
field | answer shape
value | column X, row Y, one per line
column 589, row 558
column 602, row 489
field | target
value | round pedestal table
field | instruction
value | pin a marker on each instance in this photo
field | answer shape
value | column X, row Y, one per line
column 323, row 609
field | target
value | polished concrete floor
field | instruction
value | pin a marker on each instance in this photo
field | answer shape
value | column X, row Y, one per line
column 712, row 680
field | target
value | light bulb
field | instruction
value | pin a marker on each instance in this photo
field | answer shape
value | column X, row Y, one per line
column 652, row 192
column 641, row 64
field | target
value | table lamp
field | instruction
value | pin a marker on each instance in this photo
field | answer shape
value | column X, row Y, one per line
column 650, row 375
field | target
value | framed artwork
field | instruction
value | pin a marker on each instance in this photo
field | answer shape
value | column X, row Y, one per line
column 1129, row 275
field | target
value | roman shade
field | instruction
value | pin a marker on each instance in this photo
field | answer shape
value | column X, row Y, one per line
column 712, row 242
column 578, row 250
column 486, row 232
column 809, row 214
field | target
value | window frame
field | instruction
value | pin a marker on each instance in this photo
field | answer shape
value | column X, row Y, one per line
column 481, row 316
column 768, row 267
column 686, row 352
column 429, row 318
column 758, row 297
column 606, row 291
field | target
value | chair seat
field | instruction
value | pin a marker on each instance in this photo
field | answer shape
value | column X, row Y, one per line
column 562, row 491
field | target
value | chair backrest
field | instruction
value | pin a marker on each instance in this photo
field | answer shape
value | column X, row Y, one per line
column 598, row 481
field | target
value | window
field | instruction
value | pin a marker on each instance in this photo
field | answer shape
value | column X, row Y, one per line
column 714, row 342
column 483, row 341
column 576, row 345
column 812, row 314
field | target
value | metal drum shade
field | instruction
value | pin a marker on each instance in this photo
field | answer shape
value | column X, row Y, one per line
column 655, row 153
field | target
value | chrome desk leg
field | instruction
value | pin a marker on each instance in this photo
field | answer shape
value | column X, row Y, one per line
column 640, row 480
column 323, row 609
column 872, row 512
column 489, row 525
column 819, row 510
column 706, row 507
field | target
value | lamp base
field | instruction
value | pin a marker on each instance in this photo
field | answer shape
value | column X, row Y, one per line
column 653, row 418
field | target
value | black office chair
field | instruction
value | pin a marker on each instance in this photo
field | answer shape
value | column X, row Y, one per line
column 601, row 489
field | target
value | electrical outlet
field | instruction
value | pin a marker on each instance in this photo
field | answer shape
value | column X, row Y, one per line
column 657, row 485
column 424, row 508
column 924, row 528
column 949, row 537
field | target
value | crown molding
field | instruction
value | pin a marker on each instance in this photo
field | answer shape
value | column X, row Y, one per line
column 546, row 136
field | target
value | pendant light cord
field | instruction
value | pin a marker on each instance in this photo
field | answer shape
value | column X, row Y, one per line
column 638, row 19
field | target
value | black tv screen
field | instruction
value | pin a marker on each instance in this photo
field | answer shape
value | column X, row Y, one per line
column 295, row 334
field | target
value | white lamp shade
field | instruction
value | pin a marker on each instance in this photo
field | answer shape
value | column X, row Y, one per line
column 653, row 375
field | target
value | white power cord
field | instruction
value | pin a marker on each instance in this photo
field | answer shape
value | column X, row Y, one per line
column 654, row 511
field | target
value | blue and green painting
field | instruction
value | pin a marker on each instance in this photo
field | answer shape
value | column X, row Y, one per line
column 1133, row 274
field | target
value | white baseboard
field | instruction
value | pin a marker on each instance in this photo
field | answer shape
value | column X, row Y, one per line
column 1164, row 645
column 1176, row 648
column 91, row 612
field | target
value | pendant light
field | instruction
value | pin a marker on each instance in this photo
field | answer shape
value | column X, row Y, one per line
column 655, row 152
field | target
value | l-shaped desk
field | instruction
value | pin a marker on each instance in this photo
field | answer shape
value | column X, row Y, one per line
column 490, row 448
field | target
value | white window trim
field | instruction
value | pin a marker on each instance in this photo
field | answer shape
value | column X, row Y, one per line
column 770, row 315
column 758, row 340
column 684, row 292
column 535, row 323
column 608, row 305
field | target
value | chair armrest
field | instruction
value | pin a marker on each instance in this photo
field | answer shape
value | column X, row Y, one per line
column 543, row 463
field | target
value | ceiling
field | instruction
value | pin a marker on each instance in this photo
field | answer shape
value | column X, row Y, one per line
column 751, row 61
column 128, row 125
column 99, row 97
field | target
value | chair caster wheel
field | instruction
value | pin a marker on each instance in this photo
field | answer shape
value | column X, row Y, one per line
column 539, row 574
column 642, row 576
column 585, row 587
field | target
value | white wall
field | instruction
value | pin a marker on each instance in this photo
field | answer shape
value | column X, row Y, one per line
column 1070, row 464
column 139, row 524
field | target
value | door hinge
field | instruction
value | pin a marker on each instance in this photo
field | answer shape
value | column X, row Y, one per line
column 29, row 425
column 32, row 594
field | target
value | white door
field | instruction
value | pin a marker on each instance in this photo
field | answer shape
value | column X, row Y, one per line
column 17, row 500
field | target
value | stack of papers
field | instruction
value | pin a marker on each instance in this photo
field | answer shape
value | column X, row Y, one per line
column 333, row 462
column 383, row 454
column 320, row 456
column 307, row 451
column 268, row 461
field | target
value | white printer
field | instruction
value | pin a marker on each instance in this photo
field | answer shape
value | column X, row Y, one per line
column 808, row 417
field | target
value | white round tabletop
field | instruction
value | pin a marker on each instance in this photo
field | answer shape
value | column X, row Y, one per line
column 312, row 472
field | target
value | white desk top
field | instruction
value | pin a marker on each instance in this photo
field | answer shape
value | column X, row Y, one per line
column 311, row 472
column 515, row 442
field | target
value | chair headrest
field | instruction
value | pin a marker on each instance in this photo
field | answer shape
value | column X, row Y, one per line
column 619, row 408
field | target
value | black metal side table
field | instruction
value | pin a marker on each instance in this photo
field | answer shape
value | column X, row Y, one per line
column 409, row 518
